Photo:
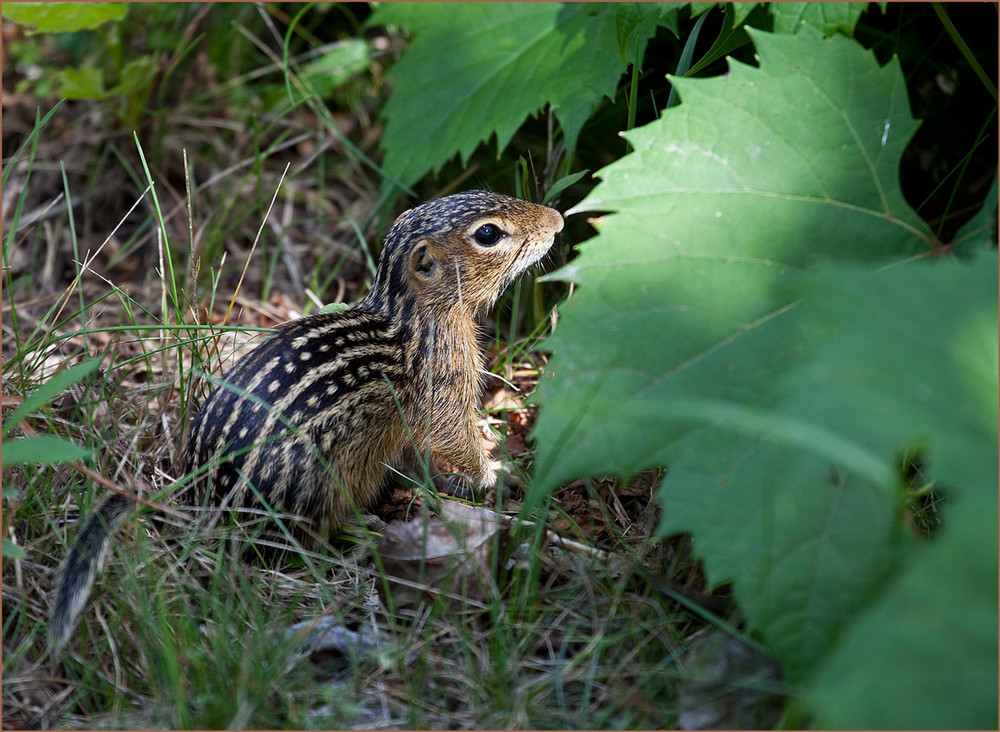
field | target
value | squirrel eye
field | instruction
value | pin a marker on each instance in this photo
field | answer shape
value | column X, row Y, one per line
column 488, row 234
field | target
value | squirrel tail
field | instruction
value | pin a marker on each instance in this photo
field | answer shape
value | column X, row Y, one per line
column 88, row 555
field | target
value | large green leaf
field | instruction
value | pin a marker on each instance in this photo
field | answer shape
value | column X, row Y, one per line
column 906, row 358
column 472, row 70
column 925, row 657
column 805, row 544
column 768, row 498
column 676, row 348
column 727, row 197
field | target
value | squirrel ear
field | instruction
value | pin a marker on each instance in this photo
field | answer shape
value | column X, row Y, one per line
column 423, row 265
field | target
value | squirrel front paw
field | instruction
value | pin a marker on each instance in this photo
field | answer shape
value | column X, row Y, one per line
column 498, row 476
column 460, row 487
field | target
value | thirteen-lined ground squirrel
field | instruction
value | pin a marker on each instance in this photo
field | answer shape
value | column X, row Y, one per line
column 308, row 422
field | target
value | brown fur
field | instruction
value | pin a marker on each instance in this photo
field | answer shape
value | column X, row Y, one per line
column 337, row 398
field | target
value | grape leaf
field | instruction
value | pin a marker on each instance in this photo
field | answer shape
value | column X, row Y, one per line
column 828, row 18
column 674, row 350
column 637, row 22
column 805, row 544
column 729, row 196
column 472, row 70
column 898, row 369
column 925, row 657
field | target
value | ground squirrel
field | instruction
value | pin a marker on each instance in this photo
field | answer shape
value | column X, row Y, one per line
column 308, row 422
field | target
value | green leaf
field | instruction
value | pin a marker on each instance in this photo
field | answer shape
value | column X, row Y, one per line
column 41, row 450
column 898, row 370
column 805, row 545
column 806, row 542
column 637, row 22
column 49, row 390
column 828, row 18
column 925, row 656
column 728, row 197
column 340, row 62
column 688, row 319
column 86, row 82
column 439, row 108
column 63, row 17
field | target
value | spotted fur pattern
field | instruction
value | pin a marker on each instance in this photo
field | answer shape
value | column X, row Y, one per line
column 311, row 419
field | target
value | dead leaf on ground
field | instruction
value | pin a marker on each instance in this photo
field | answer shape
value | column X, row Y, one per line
column 450, row 554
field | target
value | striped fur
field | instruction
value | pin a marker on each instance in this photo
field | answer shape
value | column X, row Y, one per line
column 309, row 421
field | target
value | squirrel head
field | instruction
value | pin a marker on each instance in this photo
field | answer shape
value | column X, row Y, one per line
column 461, row 251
